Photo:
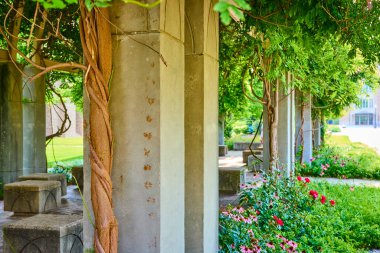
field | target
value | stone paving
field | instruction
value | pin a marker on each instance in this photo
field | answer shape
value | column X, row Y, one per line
column 71, row 204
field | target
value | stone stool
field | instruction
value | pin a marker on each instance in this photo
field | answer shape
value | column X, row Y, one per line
column 231, row 178
column 48, row 233
column 77, row 172
column 247, row 153
column 32, row 196
column 48, row 177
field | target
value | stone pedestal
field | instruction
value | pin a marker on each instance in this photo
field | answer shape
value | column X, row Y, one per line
column 34, row 123
column 32, row 196
column 247, row 153
column 231, row 178
column 77, row 172
column 223, row 150
column 255, row 164
column 48, row 177
column 44, row 233
column 11, row 140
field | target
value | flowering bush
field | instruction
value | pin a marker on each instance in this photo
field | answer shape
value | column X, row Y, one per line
column 272, row 216
column 342, row 163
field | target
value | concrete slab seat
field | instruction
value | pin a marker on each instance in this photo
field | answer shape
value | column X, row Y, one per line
column 77, row 172
column 32, row 196
column 230, row 179
column 46, row 233
column 241, row 146
column 48, row 177
column 247, row 153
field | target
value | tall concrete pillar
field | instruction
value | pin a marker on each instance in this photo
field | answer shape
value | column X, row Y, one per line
column 286, row 128
column 307, row 153
column 317, row 132
column 304, row 126
column 10, row 123
column 147, row 113
column 201, row 127
column 221, row 130
column 34, row 126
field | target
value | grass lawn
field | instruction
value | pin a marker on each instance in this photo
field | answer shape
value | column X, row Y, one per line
column 338, row 140
column 64, row 149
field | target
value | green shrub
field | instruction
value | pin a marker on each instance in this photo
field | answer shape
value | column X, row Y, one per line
column 334, row 128
column 354, row 161
column 65, row 168
column 284, row 215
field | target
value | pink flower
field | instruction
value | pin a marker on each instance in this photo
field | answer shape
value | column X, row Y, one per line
column 270, row 245
column 352, row 188
column 232, row 246
column 332, row 202
column 323, row 199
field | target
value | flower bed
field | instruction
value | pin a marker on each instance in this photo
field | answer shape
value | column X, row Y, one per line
column 284, row 215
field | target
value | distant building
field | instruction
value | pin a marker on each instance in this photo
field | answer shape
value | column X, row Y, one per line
column 55, row 115
column 366, row 113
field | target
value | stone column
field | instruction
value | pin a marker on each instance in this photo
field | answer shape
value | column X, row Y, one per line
column 286, row 128
column 10, row 123
column 220, row 130
column 317, row 132
column 307, row 153
column 147, row 113
column 34, row 127
column 201, row 127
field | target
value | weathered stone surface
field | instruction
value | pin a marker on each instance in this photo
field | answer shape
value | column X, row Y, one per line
column 223, row 150
column 230, row 178
column 255, row 164
column 245, row 146
column 77, row 172
column 247, row 153
column 32, row 196
column 11, row 140
column 47, row 233
column 48, row 177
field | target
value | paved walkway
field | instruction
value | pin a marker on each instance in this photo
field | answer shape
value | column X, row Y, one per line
column 70, row 204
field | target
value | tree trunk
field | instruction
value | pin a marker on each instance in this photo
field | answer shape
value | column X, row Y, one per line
column 271, row 97
column 96, row 40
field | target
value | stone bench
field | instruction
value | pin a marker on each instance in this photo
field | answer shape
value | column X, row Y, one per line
column 77, row 172
column 247, row 153
column 231, row 178
column 32, row 196
column 241, row 146
column 48, row 177
column 47, row 233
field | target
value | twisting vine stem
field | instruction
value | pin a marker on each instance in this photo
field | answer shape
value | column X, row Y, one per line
column 95, row 34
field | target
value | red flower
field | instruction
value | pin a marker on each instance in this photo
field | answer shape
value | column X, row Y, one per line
column 278, row 220
column 299, row 178
column 332, row 202
column 323, row 199
column 257, row 212
column 307, row 180
column 314, row 194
